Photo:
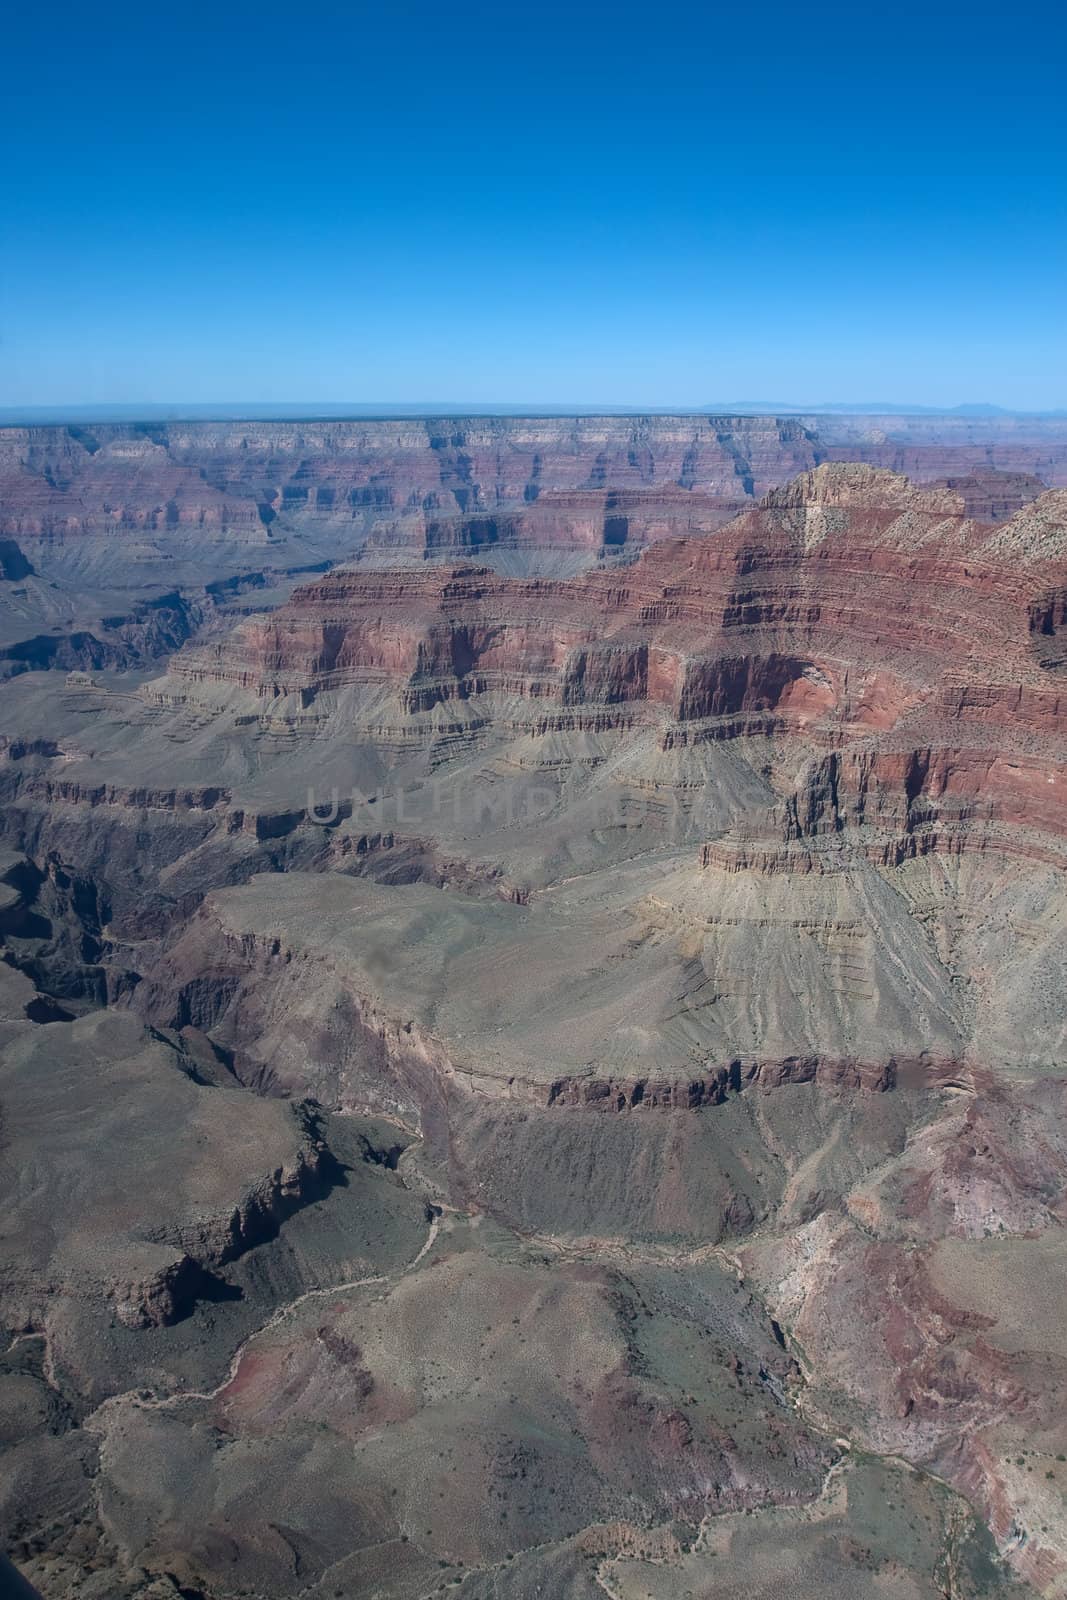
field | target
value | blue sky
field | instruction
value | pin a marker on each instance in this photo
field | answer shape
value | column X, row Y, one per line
column 656, row 204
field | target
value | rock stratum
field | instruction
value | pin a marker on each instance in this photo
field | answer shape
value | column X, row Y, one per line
column 119, row 542
column 560, row 1041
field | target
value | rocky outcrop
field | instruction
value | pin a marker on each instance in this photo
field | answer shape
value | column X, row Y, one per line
column 995, row 496
column 153, row 629
column 207, row 1244
column 176, row 1173
column 713, row 1087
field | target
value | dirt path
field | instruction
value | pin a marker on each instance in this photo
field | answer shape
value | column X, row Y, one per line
column 161, row 1402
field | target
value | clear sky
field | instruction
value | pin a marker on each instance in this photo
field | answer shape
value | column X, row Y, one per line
column 652, row 204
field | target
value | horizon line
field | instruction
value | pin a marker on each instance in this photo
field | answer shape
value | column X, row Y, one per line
column 134, row 412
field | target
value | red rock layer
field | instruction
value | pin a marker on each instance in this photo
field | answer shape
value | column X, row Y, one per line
column 846, row 564
column 593, row 522
column 102, row 479
column 716, row 1085
column 243, row 476
column 912, row 646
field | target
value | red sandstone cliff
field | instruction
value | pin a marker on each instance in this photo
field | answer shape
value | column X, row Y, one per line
column 911, row 647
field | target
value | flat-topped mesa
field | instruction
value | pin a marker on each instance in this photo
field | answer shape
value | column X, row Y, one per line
column 413, row 978
column 845, row 595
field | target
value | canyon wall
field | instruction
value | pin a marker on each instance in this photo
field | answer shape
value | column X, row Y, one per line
column 100, row 522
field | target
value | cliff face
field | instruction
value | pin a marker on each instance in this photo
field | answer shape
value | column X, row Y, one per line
column 197, row 479
column 853, row 665
column 243, row 475
column 588, row 524
column 868, row 617
column 174, row 1192
column 99, row 522
column 820, row 562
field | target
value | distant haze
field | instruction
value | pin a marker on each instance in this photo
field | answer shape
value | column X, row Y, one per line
column 298, row 411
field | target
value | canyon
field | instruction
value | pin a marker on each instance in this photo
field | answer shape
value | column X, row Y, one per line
column 119, row 541
column 532, row 1033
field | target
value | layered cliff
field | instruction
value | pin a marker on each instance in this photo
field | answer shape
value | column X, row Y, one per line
column 911, row 648
column 818, row 565
column 247, row 482
column 244, row 476
column 100, row 522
